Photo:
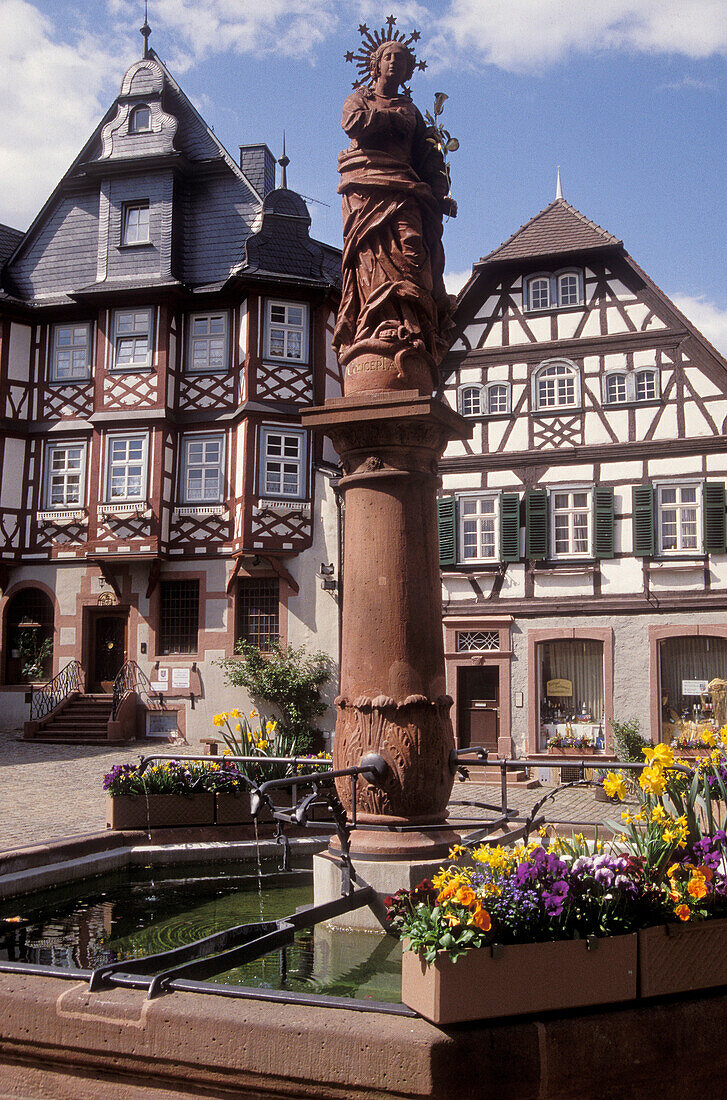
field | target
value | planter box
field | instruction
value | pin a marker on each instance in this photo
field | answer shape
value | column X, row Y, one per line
column 233, row 808
column 131, row 811
column 520, row 978
column 677, row 958
column 587, row 751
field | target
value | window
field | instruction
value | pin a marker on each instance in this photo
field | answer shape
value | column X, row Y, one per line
column 178, row 616
column 126, row 468
column 686, row 664
column 470, row 400
column 550, row 291
column 70, row 353
column 207, row 342
column 287, row 331
column 646, row 389
column 65, row 475
column 570, row 513
column 556, row 386
column 28, row 637
column 283, row 456
column 616, row 390
column 498, row 398
column 258, row 614
column 132, row 338
column 135, row 223
column 202, row 470
column 477, row 641
column 679, row 519
column 571, row 687
column 140, row 120
column 478, row 528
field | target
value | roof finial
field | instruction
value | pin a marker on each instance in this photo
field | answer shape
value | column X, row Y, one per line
column 558, row 188
column 146, row 29
column 284, row 162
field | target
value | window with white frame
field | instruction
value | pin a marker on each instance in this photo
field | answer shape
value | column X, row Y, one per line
column 207, row 342
column 470, row 400
column 539, row 292
column 570, row 519
column 133, row 332
column 498, row 398
column 126, row 468
column 135, row 223
column 616, row 388
column 556, row 385
column 65, row 475
column 203, row 469
column 478, row 530
column 282, row 463
column 70, row 353
column 569, row 289
column 140, row 119
column 679, row 519
column 646, row 388
column 286, row 335
column 553, row 290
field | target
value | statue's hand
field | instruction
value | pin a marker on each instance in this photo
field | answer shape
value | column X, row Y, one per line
column 449, row 206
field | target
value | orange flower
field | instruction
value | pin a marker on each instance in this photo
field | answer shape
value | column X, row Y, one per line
column 683, row 912
column 481, row 919
column 466, row 896
column 697, row 886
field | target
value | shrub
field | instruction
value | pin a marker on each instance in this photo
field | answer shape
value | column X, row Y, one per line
column 629, row 743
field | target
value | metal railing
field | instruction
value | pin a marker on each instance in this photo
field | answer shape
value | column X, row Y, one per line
column 131, row 678
column 46, row 698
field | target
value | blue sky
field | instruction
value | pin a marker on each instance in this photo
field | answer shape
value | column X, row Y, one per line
column 628, row 96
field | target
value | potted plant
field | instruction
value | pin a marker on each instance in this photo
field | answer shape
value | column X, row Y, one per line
column 570, row 744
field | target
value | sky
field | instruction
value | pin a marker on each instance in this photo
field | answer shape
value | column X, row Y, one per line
column 629, row 97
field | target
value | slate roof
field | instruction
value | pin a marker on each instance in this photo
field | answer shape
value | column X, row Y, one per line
column 9, row 241
column 282, row 246
column 557, row 229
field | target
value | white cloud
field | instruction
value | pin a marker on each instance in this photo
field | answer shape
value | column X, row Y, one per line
column 710, row 319
column 52, row 95
column 521, row 35
column 455, row 280
column 689, row 83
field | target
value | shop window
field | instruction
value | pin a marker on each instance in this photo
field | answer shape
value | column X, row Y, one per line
column 178, row 616
column 258, row 612
column 571, row 691
column 28, row 637
column 686, row 666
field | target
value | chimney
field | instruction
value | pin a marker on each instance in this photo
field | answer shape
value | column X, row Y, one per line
column 258, row 164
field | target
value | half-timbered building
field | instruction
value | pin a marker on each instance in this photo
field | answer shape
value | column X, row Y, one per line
column 162, row 322
column 582, row 527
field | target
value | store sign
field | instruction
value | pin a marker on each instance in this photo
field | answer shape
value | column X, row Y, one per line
column 559, row 687
column 694, row 687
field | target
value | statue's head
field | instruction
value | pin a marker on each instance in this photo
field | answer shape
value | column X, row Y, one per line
column 399, row 47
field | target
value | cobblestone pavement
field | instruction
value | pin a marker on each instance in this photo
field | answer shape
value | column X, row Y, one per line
column 48, row 792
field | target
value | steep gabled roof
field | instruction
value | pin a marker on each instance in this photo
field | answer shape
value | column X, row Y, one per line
column 9, row 241
column 557, row 229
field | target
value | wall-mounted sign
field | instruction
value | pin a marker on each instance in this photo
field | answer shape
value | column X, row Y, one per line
column 559, row 687
column 180, row 678
column 162, row 681
column 694, row 687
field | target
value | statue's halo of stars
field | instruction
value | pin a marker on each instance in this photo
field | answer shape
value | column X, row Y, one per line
column 371, row 40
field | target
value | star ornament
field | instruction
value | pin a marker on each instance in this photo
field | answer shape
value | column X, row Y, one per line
column 371, row 40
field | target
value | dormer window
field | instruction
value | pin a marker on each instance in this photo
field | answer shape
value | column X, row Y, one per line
column 553, row 290
column 140, row 120
column 135, row 224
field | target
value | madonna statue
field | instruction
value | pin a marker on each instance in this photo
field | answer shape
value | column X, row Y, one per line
column 395, row 314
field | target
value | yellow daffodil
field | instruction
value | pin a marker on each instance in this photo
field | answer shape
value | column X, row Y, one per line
column 652, row 780
column 254, row 713
column 457, row 850
column 235, row 713
column 218, row 720
column 270, row 728
column 709, row 739
column 659, row 814
column 661, row 754
column 615, row 786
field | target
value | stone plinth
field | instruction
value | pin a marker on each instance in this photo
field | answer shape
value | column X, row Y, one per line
column 393, row 698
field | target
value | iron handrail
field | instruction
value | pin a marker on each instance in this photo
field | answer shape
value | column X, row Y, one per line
column 131, row 678
column 46, row 698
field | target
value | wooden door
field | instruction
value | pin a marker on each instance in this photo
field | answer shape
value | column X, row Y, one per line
column 108, row 651
column 478, row 707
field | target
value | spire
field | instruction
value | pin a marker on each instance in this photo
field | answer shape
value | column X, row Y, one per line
column 146, row 29
column 284, row 162
column 558, row 188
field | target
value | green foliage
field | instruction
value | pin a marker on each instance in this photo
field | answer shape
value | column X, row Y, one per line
column 33, row 654
column 629, row 743
column 288, row 679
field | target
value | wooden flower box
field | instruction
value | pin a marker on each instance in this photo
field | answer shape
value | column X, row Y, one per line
column 233, row 808
column 520, row 978
column 588, row 750
column 677, row 958
column 159, row 811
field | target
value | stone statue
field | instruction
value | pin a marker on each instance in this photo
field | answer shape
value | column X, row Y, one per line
column 395, row 313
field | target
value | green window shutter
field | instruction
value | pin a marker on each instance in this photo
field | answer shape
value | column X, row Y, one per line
column 642, row 501
column 715, row 533
column 446, row 520
column 536, row 524
column 509, row 527
column 603, row 521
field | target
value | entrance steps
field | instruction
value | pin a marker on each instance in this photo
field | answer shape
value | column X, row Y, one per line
column 491, row 776
column 81, row 720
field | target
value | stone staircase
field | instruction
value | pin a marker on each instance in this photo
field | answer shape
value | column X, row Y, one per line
column 80, row 720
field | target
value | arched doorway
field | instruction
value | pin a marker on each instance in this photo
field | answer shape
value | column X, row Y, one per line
column 28, row 637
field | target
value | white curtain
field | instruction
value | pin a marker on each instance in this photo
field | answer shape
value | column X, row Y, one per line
column 581, row 662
